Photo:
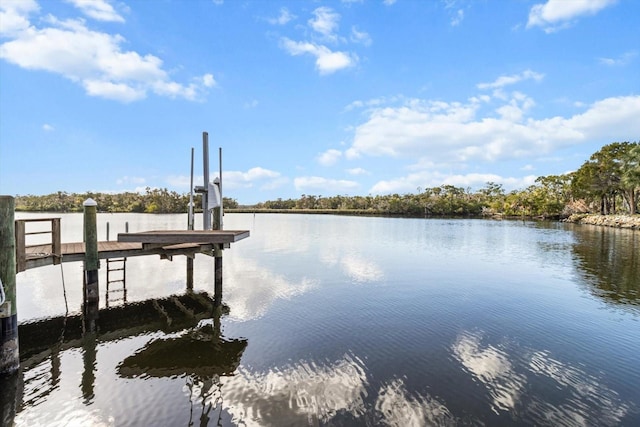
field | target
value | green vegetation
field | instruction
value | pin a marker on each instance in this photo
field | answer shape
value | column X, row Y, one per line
column 153, row 201
column 607, row 183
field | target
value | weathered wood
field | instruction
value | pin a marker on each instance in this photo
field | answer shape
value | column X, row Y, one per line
column 56, row 242
column 185, row 236
column 41, row 255
column 24, row 252
column 20, row 238
column 9, row 352
column 91, row 260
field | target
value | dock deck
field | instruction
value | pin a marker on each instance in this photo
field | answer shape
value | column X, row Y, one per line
column 166, row 243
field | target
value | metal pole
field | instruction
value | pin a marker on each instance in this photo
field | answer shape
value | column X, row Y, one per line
column 206, row 219
column 9, row 354
column 220, row 184
column 190, row 219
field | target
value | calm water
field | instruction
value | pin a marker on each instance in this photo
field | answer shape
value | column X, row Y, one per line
column 332, row 320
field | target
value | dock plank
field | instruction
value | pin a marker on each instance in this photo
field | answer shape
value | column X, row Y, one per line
column 185, row 236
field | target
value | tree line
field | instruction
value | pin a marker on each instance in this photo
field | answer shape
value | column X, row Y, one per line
column 607, row 183
column 153, row 200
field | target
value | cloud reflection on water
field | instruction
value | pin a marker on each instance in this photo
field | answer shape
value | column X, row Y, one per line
column 492, row 367
column 299, row 394
column 582, row 399
column 401, row 409
column 308, row 393
column 255, row 288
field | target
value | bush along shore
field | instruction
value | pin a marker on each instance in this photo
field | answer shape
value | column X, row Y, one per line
column 618, row 221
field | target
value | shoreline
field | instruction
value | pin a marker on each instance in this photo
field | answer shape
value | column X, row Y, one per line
column 631, row 222
column 616, row 221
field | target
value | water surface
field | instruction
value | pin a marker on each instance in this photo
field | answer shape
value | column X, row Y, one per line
column 331, row 320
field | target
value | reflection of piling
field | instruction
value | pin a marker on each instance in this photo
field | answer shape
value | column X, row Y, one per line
column 89, row 355
column 9, row 354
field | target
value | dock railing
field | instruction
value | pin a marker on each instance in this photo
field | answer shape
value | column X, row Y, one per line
column 21, row 240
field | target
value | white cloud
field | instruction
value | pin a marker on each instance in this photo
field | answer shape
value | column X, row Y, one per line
column 454, row 132
column 375, row 102
column 327, row 61
column 503, row 81
column 623, row 59
column 116, row 91
column 432, row 178
column 357, row 171
column 93, row 59
column 100, row 10
column 251, row 104
column 325, row 25
column 283, row 18
column 259, row 177
column 389, row 2
column 314, row 184
column 208, row 80
column 329, row 157
column 47, row 127
column 325, row 22
column 14, row 16
column 457, row 18
column 555, row 15
column 133, row 180
column 360, row 36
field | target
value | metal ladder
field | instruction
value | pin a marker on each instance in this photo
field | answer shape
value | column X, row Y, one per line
column 114, row 265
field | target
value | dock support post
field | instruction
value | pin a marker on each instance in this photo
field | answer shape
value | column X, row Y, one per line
column 190, row 226
column 217, row 251
column 9, row 354
column 91, row 265
column 217, row 254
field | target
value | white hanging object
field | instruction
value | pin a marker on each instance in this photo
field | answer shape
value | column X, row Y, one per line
column 213, row 199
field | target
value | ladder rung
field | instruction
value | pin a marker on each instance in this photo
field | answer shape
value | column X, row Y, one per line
column 116, row 269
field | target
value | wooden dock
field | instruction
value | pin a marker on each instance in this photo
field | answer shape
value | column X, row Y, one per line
column 166, row 243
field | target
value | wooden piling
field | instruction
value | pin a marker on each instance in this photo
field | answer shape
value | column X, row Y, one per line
column 9, row 353
column 217, row 254
column 91, row 262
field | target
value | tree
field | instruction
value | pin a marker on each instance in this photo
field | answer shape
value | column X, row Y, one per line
column 601, row 177
column 631, row 176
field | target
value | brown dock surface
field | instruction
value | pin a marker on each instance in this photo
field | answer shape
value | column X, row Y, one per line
column 165, row 243
column 184, row 236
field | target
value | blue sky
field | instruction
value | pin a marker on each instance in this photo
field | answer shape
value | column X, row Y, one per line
column 311, row 97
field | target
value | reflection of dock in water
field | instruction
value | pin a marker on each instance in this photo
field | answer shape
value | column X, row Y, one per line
column 194, row 347
column 201, row 353
column 171, row 314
